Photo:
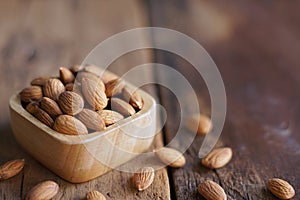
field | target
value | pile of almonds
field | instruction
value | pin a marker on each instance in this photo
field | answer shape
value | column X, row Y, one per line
column 79, row 102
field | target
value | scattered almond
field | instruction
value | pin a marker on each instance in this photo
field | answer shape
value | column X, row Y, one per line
column 201, row 121
column 170, row 156
column 11, row 168
column 69, row 125
column 281, row 188
column 110, row 117
column 53, row 88
column 133, row 97
column 143, row 178
column 32, row 93
column 40, row 81
column 95, row 195
column 217, row 158
column 114, row 87
column 121, row 106
column 43, row 191
column 66, row 75
column 70, row 103
column 211, row 191
column 94, row 94
column 91, row 120
column 51, row 107
column 43, row 117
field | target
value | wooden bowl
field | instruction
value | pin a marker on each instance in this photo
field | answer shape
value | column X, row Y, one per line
column 81, row 158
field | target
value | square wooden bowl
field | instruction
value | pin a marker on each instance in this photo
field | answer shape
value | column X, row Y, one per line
column 81, row 158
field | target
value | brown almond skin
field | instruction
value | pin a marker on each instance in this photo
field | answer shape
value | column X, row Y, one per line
column 143, row 178
column 70, row 103
column 53, row 88
column 91, row 119
column 69, row 125
column 217, row 158
column 32, row 107
column 212, row 191
column 110, row 117
column 69, row 86
column 95, row 195
column 92, row 78
column 114, row 87
column 32, row 93
column 66, row 75
column 43, row 191
column 133, row 97
column 51, row 107
column 170, row 156
column 94, row 94
column 122, row 107
column 40, row 81
column 75, row 69
column 11, row 169
column 43, row 117
column 201, row 121
column 281, row 188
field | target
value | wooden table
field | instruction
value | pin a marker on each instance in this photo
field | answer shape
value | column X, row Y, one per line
column 255, row 46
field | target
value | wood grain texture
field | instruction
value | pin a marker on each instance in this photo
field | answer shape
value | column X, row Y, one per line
column 255, row 47
column 36, row 39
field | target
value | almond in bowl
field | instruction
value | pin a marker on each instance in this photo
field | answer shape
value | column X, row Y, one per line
column 82, row 133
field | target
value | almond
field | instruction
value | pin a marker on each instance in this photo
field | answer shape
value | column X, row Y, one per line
column 133, row 97
column 43, row 117
column 95, row 195
column 69, row 86
column 217, row 158
column 32, row 93
column 32, row 107
column 121, row 106
column 170, row 156
column 53, row 88
column 91, row 120
column 91, row 77
column 201, row 121
column 70, row 103
column 114, row 87
column 110, row 117
column 40, row 81
column 211, row 191
column 11, row 168
column 94, row 94
column 143, row 178
column 93, row 69
column 43, row 191
column 281, row 188
column 51, row 107
column 66, row 75
column 76, row 68
column 106, row 76
column 69, row 125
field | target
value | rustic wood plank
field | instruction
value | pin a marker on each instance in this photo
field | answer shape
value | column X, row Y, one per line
column 249, row 44
column 37, row 37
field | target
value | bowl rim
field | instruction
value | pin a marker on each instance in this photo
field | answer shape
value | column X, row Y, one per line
column 15, row 105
